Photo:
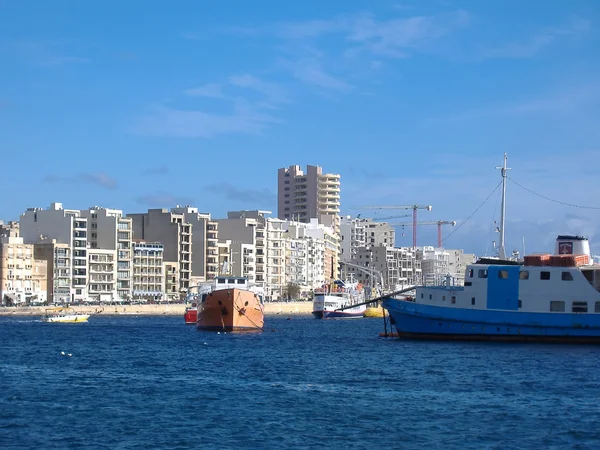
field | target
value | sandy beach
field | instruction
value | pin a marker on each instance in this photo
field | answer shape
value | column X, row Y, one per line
column 271, row 308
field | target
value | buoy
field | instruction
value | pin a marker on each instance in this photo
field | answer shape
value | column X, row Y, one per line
column 62, row 353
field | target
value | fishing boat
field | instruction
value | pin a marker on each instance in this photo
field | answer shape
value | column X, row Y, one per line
column 339, row 300
column 230, row 303
column 64, row 315
column 190, row 315
column 550, row 297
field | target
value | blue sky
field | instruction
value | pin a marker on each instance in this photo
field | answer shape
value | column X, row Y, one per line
column 148, row 104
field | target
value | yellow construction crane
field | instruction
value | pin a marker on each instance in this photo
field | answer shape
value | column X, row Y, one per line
column 439, row 224
column 414, row 214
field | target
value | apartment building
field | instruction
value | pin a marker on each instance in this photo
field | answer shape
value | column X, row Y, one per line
column 148, row 271
column 10, row 228
column 175, row 233
column 352, row 236
column 65, row 227
column 204, row 242
column 302, row 196
column 102, row 266
column 173, row 291
column 439, row 264
column 319, row 247
column 389, row 267
column 59, row 265
column 109, row 229
column 23, row 279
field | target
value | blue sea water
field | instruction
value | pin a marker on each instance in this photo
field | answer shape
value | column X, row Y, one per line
column 154, row 382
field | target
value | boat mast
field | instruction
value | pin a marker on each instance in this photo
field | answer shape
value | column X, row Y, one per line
column 503, row 169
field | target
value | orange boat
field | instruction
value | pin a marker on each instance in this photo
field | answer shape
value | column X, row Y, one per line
column 230, row 304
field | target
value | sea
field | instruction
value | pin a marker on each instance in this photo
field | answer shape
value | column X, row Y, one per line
column 131, row 382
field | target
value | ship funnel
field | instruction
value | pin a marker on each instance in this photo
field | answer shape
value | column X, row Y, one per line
column 573, row 245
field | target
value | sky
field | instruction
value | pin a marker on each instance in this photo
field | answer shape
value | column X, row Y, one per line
column 136, row 105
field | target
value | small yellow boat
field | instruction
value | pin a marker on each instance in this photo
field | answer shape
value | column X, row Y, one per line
column 64, row 315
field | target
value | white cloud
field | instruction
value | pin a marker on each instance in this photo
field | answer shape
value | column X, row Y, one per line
column 212, row 90
column 574, row 28
column 164, row 121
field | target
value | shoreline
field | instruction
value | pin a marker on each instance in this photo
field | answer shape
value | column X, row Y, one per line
column 174, row 309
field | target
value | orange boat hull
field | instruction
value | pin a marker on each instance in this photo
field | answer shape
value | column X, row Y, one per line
column 231, row 310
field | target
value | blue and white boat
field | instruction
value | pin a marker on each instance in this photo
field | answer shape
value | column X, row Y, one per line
column 553, row 298
column 340, row 300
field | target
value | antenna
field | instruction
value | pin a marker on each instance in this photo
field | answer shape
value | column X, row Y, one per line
column 503, row 169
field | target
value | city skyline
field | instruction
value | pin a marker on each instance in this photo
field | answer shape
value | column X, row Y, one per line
column 409, row 103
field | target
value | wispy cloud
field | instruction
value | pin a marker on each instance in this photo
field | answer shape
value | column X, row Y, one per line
column 46, row 53
column 98, row 179
column 211, row 90
column 231, row 192
column 249, row 114
column 575, row 28
column 562, row 101
column 162, row 200
column 164, row 121
column 311, row 72
column 159, row 170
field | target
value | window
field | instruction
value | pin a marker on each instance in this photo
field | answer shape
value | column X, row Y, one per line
column 567, row 276
column 453, row 300
column 524, row 275
column 503, row 274
column 520, row 304
column 470, row 273
column 556, row 306
column 544, row 275
column 597, row 307
column 483, row 273
column 443, row 298
column 472, row 300
column 579, row 307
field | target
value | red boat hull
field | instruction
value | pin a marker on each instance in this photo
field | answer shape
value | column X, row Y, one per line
column 191, row 316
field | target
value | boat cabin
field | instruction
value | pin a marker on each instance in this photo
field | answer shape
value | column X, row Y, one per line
column 224, row 282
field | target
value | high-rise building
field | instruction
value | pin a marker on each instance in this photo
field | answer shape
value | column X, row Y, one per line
column 102, row 285
column 311, row 195
column 148, row 271
column 65, row 226
column 175, row 233
column 204, row 242
column 108, row 229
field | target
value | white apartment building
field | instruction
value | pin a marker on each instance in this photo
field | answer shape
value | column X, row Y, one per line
column 265, row 254
column 66, row 227
column 23, row 279
column 315, row 245
column 148, row 271
column 352, row 235
column 102, row 285
column 396, row 267
column 204, row 242
column 304, row 196
column 175, row 233
column 438, row 264
column 108, row 229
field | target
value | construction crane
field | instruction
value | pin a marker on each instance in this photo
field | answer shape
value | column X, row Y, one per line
column 391, row 217
column 439, row 224
column 414, row 214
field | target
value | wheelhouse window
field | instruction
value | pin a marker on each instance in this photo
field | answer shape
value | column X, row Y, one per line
column 470, row 273
column 597, row 307
column 567, row 276
column 483, row 273
column 503, row 274
column 524, row 275
column 472, row 300
column 221, row 280
column 453, row 300
column 544, row 275
column 557, row 306
column 579, row 307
